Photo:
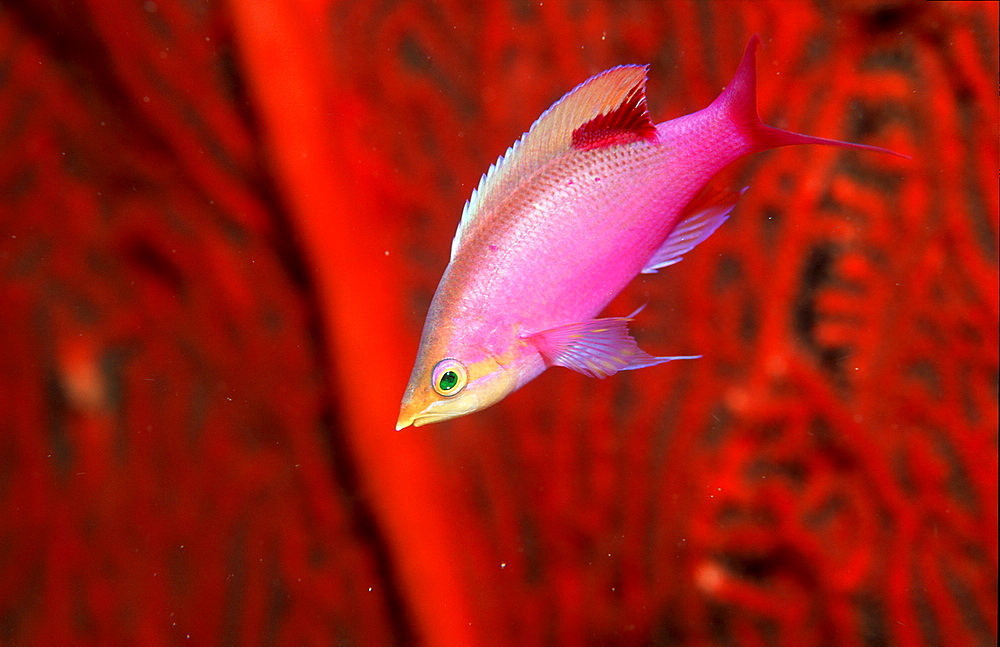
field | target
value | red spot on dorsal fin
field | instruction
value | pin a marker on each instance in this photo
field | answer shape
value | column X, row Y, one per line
column 629, row 122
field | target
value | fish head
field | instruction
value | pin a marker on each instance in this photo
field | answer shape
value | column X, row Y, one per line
column 452, row 379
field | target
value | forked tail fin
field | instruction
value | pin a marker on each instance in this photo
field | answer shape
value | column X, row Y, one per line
column 739, row 101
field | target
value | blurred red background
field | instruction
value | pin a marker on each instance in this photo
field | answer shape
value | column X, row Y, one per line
column 220, row 228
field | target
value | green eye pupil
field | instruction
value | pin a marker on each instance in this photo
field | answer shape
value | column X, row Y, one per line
column 448, row 380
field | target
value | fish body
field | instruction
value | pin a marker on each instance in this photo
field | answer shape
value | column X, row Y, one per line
column 591, row 196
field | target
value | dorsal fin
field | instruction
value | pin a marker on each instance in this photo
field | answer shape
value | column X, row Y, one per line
column 605, row 109
column 627, row 123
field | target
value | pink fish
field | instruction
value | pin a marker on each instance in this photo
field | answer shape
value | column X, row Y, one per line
column 591, row 196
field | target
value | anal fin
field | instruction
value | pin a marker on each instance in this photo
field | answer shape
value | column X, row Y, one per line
column 597, row 348
column 703, row 216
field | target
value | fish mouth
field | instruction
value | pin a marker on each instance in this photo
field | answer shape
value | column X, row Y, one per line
column 429, row 416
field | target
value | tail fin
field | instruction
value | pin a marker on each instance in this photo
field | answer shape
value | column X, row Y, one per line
column 739, row 101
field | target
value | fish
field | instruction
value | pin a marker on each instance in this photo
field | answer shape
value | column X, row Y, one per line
column 593, row 195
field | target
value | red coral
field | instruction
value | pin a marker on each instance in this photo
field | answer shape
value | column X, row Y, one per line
column 220, row 231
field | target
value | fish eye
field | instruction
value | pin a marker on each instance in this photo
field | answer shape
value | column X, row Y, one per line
column 449, row 377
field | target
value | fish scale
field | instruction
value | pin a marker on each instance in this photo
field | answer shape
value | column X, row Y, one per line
column 542, row 243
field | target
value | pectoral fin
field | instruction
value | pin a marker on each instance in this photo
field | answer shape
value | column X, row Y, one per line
column 596, row 348
column 705, row 215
